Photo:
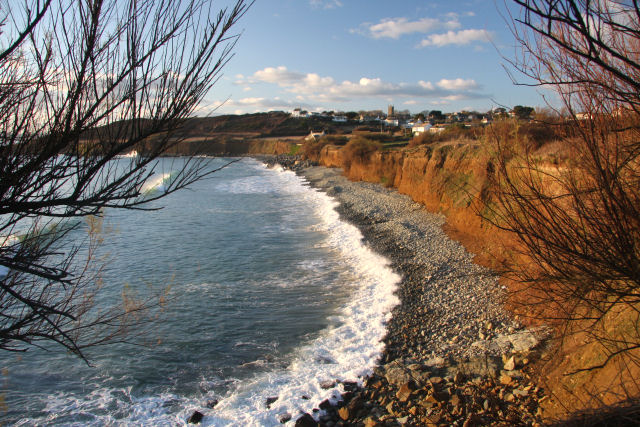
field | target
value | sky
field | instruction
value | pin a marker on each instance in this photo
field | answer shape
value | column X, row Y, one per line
column 351, row 55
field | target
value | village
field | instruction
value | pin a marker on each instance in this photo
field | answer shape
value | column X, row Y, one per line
column 433, row 121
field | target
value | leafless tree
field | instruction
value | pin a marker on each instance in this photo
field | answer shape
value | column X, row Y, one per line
column 83, row 82
column 578, row 225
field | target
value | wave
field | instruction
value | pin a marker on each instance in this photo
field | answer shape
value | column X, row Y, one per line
column 347, row 350
column 157, row 184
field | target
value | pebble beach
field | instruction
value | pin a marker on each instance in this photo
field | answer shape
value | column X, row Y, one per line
column 453, row 355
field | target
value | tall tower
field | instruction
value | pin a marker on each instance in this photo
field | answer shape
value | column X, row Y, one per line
column 390, row 111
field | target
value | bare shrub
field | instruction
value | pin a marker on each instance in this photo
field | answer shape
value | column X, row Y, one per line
column 82, row 82
column 578, row 225
column 359, row 149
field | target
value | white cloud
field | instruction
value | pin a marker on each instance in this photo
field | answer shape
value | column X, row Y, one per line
column 313, row 87
column 325, row 4
column 458, row 84
column 396, row 27
column 276, row 75
column 461, row 37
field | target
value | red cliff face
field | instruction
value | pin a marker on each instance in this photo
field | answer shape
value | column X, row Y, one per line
column 449, row 179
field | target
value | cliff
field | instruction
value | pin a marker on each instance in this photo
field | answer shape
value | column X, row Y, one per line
column 455, row 179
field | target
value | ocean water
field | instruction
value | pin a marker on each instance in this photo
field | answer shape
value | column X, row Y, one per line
column 270, row 295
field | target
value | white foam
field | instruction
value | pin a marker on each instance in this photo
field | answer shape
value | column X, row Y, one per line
column 346, row 351
column 157, row 183
column 353, row 344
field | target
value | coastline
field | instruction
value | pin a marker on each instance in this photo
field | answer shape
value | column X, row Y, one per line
column 452, row 353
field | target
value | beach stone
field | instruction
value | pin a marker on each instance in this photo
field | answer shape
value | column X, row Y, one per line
column 326, row 385
column 195, row 418
column 284, row 418
column 510, row 364
column 505, row 379
column 270, row 401
column 212, row 403
column 306, row 420
column 405, row 392
column 345, row 413
column 396, row 374
column 325, row 404
column 371, row 422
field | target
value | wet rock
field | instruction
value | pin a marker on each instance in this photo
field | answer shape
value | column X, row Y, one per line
column 212, row 403
column 284, row 418
column 270, row 401
column 195, row 418
column 306, row 420
column 326, row 385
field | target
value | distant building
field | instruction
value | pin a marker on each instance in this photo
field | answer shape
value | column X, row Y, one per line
column 341, row 119
column 390, row 111
column 420, row 128
column 314, row 136
column 391, row 122
column 299, row 113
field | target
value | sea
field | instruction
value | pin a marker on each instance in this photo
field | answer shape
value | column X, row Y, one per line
column 269, row 295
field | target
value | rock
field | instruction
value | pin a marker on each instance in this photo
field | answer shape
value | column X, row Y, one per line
column 524, row 340
column 325, row 404
column 396, row 374
column 435, row 380
column 270, row 401
column 458, row 378
column 284, row 418
column 505, row 379
column 371, row 422
column 306, row 421
column 326, row 385
column 520, row 393
column 195, row 418
column 488, row 326
column 471, row 421
column 402, row 421
column 480, row 366
column 350, row 386
column 510, row 364
column 405, row 391
column 344, row 413
column 212, row 403
column 455, row 401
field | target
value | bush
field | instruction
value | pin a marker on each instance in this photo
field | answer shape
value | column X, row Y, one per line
column 311, row 149
column 334, row 139
column 360, row 149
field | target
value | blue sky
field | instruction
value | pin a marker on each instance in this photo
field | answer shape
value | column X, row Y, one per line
column 350, row 55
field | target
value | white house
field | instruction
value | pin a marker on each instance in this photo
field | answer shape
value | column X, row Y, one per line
column 299, row 113
column 391, row 122
column 314, row 136
column 419, row 128
column 341, row 119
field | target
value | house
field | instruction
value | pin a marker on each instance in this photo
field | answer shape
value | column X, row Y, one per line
column 420, row 128
column 300, row 114
column 391, row 122
column 314, row 136
column 437, row 128
column 341, row 119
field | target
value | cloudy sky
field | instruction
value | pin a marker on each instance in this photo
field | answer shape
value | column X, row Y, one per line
column 349, row 55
